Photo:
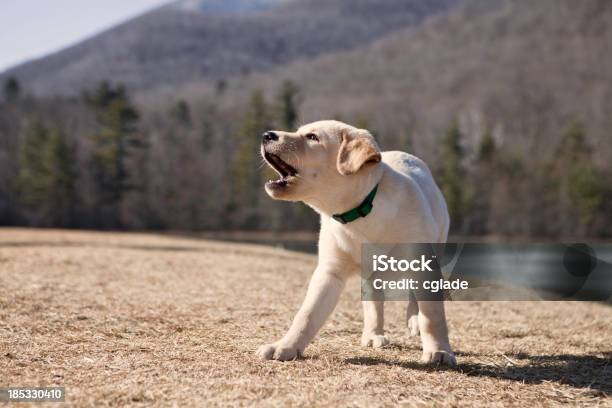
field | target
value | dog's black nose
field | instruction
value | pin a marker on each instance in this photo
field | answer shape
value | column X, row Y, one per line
column 269, row 136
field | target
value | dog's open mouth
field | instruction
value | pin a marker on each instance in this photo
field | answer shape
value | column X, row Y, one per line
column 286, row 171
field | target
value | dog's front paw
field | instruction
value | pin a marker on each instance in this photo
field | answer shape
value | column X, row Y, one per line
column 278, row 351
column 439, row 357
column 374, row 340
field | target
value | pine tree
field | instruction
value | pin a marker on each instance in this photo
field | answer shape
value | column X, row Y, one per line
column 486, row 148
column 287, row 105
column 47, row 177
column 206, row 133
column 453, row 174
column 33, row 179
column 61, row 158
column 480, row 185
column 220, row 87
column 581, row 184
column 114, row 145
column 12, row 89
column 182, row 113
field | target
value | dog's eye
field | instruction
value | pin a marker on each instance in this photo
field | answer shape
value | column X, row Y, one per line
column 312, row 136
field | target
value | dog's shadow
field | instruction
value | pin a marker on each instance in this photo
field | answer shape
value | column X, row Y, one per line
column 580, row 371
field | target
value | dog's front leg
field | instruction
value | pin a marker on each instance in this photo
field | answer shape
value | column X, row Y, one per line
column 321, row 299
column 434, row 334
column 373, row 324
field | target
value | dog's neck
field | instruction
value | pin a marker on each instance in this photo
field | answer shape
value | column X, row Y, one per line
column 334, row 200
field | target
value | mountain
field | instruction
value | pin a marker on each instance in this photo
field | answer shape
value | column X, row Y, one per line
column 523, row 70
column 189, row 41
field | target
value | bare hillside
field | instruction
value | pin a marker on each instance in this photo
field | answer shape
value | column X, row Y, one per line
column 174, row 45
column 522, row 70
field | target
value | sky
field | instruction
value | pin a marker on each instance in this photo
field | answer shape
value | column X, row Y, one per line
column 34, row 28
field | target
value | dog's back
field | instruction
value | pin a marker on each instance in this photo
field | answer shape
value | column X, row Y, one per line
column 416, row 170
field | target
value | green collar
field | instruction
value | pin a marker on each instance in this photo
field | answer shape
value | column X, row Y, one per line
column 361, row 210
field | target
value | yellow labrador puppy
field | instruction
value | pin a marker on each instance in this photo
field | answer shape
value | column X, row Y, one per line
column 334, row 167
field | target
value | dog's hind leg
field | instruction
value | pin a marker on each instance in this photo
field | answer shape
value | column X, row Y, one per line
column 412, row 315
column 373, row 324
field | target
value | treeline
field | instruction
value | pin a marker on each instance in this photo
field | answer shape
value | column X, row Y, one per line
column 97, row 161
column 101, row 161
column 558, row 193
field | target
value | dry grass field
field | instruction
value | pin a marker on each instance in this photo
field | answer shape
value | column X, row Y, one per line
column 150, row 320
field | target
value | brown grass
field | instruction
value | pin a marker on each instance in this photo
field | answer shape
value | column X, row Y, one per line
column 135, row 319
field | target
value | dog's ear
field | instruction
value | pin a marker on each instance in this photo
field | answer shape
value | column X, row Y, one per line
column 357, row 149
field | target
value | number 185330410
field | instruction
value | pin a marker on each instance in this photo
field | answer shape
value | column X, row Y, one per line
column 32, row 394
